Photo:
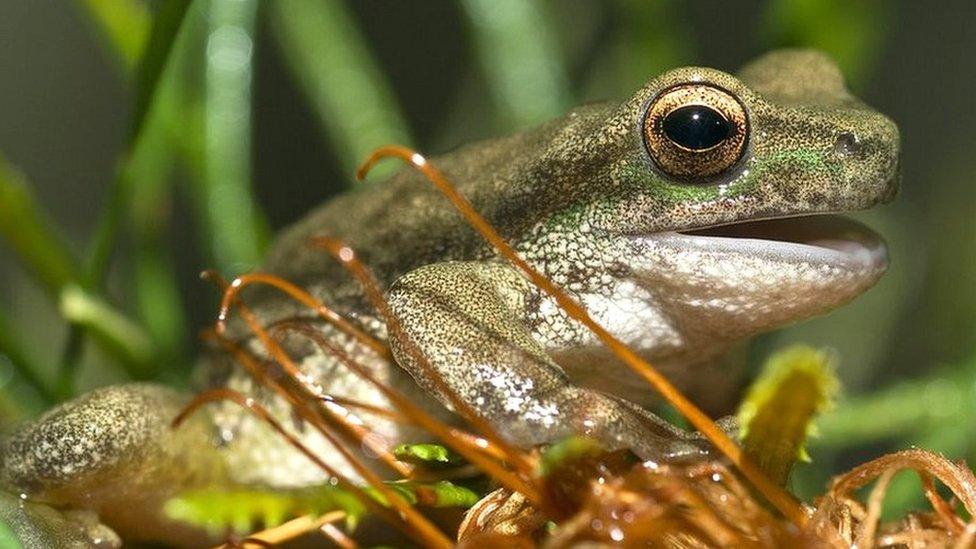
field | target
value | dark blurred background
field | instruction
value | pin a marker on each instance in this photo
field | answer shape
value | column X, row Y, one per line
column 325, row 81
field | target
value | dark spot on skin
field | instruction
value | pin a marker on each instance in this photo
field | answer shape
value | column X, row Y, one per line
column 847, row 144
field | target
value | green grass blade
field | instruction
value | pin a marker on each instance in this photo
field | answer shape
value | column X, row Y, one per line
column 518, row 48
column 334, row 68
column 124, row 24
column 119, row 335
column 24, row 226
column 165, row 28
column 232, row 219
column 153, row 277
column 154, row 283
column 27, row 230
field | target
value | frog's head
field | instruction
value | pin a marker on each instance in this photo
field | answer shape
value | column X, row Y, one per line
column 720, row 186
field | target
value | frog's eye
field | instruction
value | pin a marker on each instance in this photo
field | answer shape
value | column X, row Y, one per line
column 695, row 131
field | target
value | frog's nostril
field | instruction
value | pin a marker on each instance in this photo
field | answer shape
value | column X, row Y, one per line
column 847, row 144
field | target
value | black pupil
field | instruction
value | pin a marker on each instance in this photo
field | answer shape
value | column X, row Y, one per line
column 696, row 127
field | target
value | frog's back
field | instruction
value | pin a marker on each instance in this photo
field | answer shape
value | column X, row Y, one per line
column 404, row 222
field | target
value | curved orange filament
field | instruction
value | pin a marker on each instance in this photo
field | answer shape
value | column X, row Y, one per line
column 351, row 432
column 303, row 297
column 242, row 544
column 959, row 479
column 478, row 442
column 781, row 499
column 407, row 511
column 385, row 413
column 473, row 451
column 347, row 257
column 407, row 516
column 287, row 531
column 941, row 507
column 285, row 361
column 337, row 536
column 464, row 443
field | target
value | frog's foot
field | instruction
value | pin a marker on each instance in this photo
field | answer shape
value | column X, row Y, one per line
column 39, row 525
column 112, row 451
column 465, row 319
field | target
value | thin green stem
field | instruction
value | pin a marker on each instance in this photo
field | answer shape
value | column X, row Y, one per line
column 74, row 346
column 235, row 228
column 146, row 48
column 902, row 408
column 165, row 28
column 27, row 230
column 25, row 227
column 119, row 335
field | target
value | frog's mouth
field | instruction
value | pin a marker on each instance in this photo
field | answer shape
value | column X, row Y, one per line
column 818, row 239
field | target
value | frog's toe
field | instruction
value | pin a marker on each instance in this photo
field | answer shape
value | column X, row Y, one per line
column 112, row 451
column 39, row 525
column 86, row 440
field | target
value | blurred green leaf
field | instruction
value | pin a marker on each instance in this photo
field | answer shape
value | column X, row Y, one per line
column 333, row 66
column 936, row 412
column 945, row 397
column 518, row 48
column 429, row 494
column 654, row 37
column 124, row 23
column 851, row 32
column 166, row 25
column 777, row 414
column 165, row 29
column 27, row 230
column 22, row 362
column 119, row 335
column 149, row 168
column 153, row 282
column 236, row 233
column 429, row 455
column 242, row 509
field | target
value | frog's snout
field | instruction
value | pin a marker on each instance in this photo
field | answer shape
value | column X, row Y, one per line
column 894, row 182
column 870, row 154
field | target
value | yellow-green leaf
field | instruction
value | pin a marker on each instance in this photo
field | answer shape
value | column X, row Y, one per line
column 796, row 385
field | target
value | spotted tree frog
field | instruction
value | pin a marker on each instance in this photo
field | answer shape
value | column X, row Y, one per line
column 687, row 218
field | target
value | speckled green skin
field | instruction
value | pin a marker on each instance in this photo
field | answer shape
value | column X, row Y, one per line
column 579, row 198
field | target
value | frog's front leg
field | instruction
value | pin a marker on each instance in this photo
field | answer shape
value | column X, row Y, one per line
column 466, row 318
